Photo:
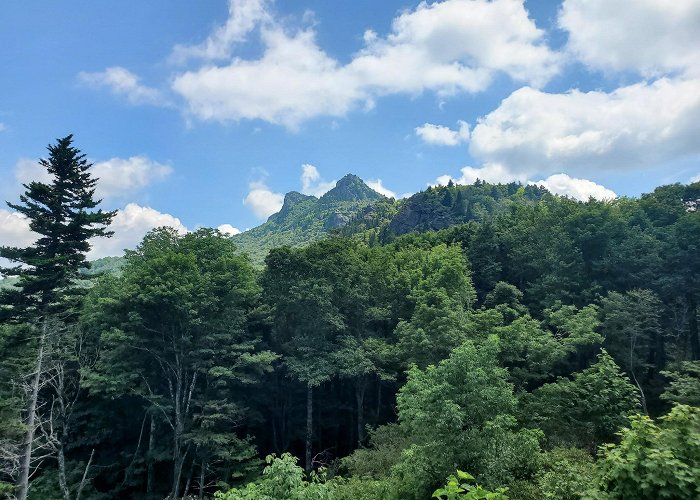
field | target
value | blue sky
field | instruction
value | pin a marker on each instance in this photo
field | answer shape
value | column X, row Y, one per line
column 205, row 113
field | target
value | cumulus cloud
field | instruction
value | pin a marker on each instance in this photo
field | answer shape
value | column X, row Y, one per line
column 130, row 225
column 579, row 189
column 116, row 176
column 262, row 201
column 14, row 229
column 695, row 179
column 312, row 183
column 228, row 230
column 244, row 16
column 445, row 47
column 443, row 136
column 645, row 36
column 120, row 81
column 380, row 188
column 490, row 172
column 633, row 126
column 562, row 184
column 293, row 81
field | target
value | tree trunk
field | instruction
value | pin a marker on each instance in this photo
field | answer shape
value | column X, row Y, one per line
column 62, row 473
column 83, row 480
column 150, row 478
column 26, row 459
column 360, row 398
column 309, row 425
column 693, row 328
column 201, row 481
column 189, row 481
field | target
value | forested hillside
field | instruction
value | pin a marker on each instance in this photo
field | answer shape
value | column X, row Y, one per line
column 304, row 219
column 542, row 347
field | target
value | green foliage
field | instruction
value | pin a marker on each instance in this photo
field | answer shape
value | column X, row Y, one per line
column 458, row 412
column 304, row 219
column 684, row 384
column 62, row 214
column 283, row 479
column 586, row 410
column 653, row 460
column 566, row 474
column 460, row 486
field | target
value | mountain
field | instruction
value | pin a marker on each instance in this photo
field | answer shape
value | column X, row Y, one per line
column 305, row 218
column 438, row 208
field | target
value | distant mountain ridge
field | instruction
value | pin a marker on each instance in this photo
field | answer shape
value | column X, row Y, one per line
column 304, row 218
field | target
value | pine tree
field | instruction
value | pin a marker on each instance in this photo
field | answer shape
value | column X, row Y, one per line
column 61, row 214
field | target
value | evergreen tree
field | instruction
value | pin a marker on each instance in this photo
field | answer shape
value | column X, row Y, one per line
column 62, row 215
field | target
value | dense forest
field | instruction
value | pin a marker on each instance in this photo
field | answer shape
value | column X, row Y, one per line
column 483, row 341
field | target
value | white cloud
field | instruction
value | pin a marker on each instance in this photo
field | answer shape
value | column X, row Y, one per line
column 14, row 232
column 28, row 170
column 579, row 189
column 312, row 183
column 228, row 230
column 292, row 82
column 244, row 16
column 650, row 37
column 490, row 172
column 116, row 176
column 262, row 201
column 130, row 225
column 562, row 184
column 445, row 47
column 119, row 177
column 634, row 126
column 456, row 45
column 14, row 229
column 122, row 82
column 443, row 136
column 695, row 179
column 377, row 185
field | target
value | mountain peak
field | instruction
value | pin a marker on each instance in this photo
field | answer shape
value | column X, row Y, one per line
column 350, row 188
column 291, row 200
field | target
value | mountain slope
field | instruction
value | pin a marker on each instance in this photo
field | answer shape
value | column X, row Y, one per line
column 304, row 218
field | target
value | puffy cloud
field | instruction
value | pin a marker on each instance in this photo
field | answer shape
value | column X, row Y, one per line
column 446, row 47
column 14, row 229
column 379, row 187
column 456, row 45
column 130, row 225
column 311, row 182
column 490, row 172
column 579, row 189
column 28, row 170
column 262, row 201
column 443, row 136
column 244, row 16
column 633, row 126
column 695, row 179
column 562, row 184
column 645, row 36
column 122, row 82
column 228, row 230
column 292, row 82
column 117, row 176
